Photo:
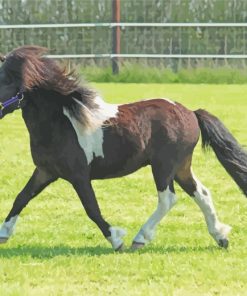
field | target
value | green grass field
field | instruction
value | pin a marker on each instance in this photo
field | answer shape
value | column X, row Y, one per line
column 57, row 250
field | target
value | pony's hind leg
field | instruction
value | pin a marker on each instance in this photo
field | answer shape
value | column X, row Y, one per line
column 202, row 197
column 166, row 200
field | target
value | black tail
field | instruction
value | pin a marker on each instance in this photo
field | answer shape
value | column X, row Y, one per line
column 228, row 151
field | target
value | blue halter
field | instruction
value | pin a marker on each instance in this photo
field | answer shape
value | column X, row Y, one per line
column 18, row 98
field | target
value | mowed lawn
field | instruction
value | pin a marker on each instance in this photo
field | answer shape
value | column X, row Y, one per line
column 57, row 250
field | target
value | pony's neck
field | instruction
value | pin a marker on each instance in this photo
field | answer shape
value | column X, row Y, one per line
column 40, row 113
column 44, row 109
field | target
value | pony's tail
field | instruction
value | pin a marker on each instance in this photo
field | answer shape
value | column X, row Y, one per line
column 228, row 151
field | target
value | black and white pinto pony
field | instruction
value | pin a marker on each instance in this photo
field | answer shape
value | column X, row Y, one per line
column 76, row 136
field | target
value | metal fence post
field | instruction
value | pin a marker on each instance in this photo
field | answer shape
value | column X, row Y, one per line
column 115, row 35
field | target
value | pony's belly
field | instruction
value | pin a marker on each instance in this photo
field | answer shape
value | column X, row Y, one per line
column 100, row 169
column 122, row 154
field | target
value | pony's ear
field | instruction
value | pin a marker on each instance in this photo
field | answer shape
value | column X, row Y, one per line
column 2, row 58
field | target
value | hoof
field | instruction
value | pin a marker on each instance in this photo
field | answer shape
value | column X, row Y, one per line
column 223, row 243
column 3, row 240
column 137, row 246
column 121, row 248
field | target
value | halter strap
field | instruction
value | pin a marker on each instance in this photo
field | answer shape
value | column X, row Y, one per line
column 17, row 98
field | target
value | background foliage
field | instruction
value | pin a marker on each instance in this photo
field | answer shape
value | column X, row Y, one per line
column 133, row 40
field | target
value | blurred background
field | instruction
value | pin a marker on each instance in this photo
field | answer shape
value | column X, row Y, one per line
column 141, row 41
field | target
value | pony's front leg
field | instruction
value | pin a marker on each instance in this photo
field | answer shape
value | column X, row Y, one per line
column 38, row 181
column 86, row 194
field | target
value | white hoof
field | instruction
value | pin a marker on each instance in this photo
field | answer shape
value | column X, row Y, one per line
column 225, row 230
column 4, row 233
column 137, row 246
column 7, row 229
column 116, row 237
column 221, row 233
column 144, row 236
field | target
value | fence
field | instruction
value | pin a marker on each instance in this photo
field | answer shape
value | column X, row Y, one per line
column 152, row 29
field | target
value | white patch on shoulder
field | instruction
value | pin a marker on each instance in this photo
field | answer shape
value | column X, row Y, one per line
column 92, row 144
column 105, row 109
column 91, row 141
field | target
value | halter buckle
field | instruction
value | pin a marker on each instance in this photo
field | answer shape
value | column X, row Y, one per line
column 21, row 99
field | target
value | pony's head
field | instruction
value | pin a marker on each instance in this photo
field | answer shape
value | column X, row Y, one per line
column 9, row 85
column 25, row 69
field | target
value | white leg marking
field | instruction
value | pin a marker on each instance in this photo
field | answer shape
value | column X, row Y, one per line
column 7, row 229
column 203, row 198
column 166, row 201
column 116, row 237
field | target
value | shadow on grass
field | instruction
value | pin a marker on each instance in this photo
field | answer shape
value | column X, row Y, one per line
column 43, row 252
column 176, row 249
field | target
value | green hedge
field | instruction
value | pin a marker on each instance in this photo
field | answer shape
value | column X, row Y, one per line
column 134, row 73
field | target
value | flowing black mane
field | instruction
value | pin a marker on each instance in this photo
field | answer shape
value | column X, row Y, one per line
column 37, row 72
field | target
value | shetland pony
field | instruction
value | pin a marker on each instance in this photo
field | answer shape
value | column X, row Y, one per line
column 76, row 136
